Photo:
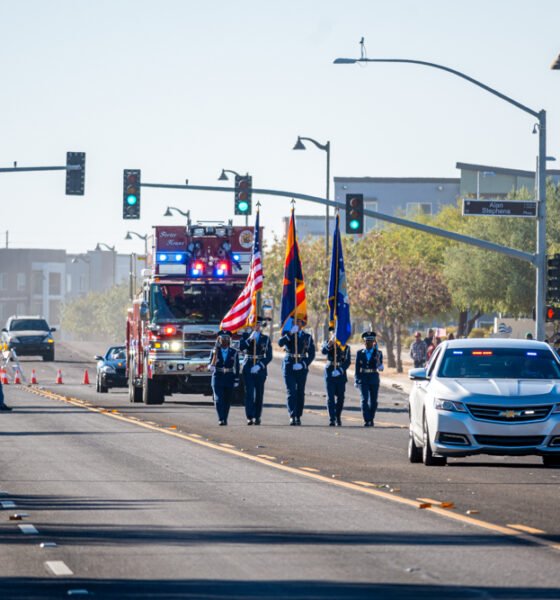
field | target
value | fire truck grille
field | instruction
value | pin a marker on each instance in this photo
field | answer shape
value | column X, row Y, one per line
column 198, row 347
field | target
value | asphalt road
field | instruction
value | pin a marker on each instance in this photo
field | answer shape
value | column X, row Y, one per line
column 160, row 502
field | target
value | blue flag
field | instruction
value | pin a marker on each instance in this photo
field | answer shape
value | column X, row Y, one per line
column 338, row 302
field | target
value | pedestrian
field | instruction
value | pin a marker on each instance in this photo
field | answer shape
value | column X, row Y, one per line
column 3, row 405
column 258, row 353
column 429, row 339
column 528, row 336
column 418, row 351
column 335, row 377
column 369, row 362
column 435, row 343
column 450, row 336
column 224, row 366
column 299, row 354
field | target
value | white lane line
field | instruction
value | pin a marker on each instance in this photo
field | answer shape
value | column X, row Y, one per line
column 28, row 529
column 58, row 568
column 8, row 504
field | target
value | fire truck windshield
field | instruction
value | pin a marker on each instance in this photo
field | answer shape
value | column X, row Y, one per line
column 192, row 303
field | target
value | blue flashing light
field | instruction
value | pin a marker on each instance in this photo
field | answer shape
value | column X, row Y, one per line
column 236, row 257
column 178, row 257
column 131, row 199
column 457, row 352
column 531, row 354
column 162, row 258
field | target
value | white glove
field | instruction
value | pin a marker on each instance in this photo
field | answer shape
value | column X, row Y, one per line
column 212, row 368
column 335, row 373
column 297, row 367
column 255, row 369
column 236, row 384
column 294, row 329
column 380, row 368
column 252, row 336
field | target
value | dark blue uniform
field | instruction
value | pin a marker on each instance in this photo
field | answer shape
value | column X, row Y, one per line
column 367, row 381
column 336, row 385
column 225, row 379
column 258, row 353
column 295, row 379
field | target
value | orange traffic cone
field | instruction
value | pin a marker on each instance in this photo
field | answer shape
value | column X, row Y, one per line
column 86, row 378
column 59, row 376
column 4, row 377
column 33, row 377
column 17, row 377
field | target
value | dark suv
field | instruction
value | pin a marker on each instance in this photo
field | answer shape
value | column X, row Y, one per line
column 29, row 336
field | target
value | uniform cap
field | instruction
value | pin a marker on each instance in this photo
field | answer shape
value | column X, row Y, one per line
column 224, row 333
column 369, row 335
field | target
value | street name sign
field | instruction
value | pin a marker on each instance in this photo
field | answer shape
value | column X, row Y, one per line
column 499, row 208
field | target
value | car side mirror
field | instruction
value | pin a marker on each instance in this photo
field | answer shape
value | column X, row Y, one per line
column 418, row 374
column 53, row 329
column 4, row 330
column 97, row 357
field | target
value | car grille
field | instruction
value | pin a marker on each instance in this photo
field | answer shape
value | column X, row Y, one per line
column 32, row 339
column 509, row 440
column 121, row 372
column 508, row 414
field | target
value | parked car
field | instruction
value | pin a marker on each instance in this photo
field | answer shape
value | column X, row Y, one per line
column 29, row 336
column 111, row 369
column 486, row 396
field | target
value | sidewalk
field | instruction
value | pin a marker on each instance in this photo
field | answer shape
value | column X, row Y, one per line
column 388, row 378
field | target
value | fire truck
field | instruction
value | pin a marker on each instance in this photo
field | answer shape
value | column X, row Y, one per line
column 195, row 273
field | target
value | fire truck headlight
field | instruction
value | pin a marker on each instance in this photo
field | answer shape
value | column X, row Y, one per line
column 176, row 346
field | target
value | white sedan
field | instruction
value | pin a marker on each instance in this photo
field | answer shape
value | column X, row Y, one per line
column 486, row 396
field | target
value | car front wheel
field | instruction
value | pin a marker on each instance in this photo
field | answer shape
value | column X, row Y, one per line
column 414, row 452
column 428, row 457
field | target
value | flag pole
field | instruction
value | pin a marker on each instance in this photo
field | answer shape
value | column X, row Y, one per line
column 295, row 280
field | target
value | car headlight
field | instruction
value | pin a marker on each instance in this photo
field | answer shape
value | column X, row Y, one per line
column 13, row 340
column 108, row 369
column 449, row 405
column 49, row 340
column 556, row 408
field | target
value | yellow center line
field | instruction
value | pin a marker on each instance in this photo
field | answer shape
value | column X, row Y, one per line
column 267, row 461
column 429, row 501
column 310, row 469
column 527, row 529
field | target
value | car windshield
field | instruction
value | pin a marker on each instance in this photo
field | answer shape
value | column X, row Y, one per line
column 192, row 303
column 117, row 353
column 499, row 363
column 29, row 325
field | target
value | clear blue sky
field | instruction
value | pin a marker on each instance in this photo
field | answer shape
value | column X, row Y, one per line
column 181, row 89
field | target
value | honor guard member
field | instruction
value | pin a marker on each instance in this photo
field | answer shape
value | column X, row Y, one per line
column 369, row 362
column 299, row 354
column 224, row 366
column 335, row 377
column 258, row 353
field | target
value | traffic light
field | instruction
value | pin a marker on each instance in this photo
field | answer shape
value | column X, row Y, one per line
column 553, row 279
column 354, row 213
column 552, row 313
column 75, row 179
column 131, row 194
column 243, row 200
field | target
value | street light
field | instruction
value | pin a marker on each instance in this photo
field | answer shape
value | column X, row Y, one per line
column 78, row 259
column 114, row 251
column 555, row 66
column 145, row 237
column 299, row 145
column 539, row 257
column 186, row 214
column 224, row 177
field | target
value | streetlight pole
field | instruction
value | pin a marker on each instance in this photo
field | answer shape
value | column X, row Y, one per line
column 299, row 145
column 540, row 255
column 113, row 250
column 186, row 214
column 145, row 237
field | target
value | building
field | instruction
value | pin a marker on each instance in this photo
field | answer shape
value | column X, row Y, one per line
column 37, row 281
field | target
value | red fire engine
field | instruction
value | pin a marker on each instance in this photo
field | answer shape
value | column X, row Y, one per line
column 195, row 275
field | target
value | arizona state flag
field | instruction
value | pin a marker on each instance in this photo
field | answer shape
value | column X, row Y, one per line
column 294, row 303
column 338, row 302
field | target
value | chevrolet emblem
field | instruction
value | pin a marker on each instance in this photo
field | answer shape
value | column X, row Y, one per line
column 508, row 414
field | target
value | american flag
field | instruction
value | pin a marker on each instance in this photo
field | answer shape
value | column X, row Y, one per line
column 243, row 313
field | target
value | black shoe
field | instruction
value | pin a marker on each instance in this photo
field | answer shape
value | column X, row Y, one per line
column 331, row 423
column 339, row 421
column 298, row 421
column 371, row 423
column 257, row 422
column 5, row 407
column 293, row 421
column 249, row 421
column 366, row 424
column 220, row 423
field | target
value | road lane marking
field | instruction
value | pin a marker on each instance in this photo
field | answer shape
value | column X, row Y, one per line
column 266, row 456
column 58, row 568
column 281, row 466
column 28, row 529
column 8, row 504
column 366, row 484
column 310, row 469
column 429, row 501
column 227, row 445
column 527, row 529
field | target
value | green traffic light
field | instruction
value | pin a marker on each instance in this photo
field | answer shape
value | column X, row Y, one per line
column 354, row 224
column 131, row 199
column 243, row 206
